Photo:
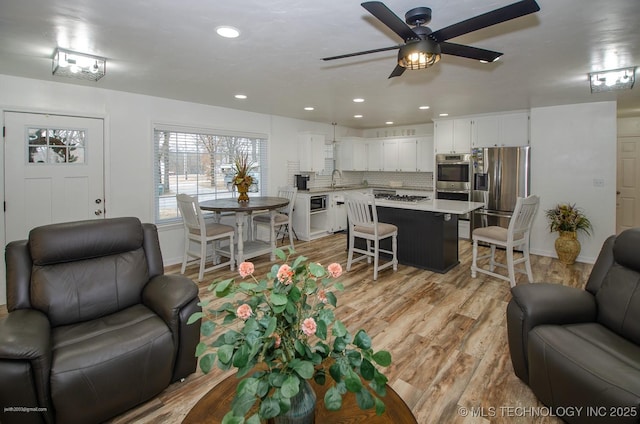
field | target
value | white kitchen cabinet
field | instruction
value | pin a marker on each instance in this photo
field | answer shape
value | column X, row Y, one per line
column 407, row 155
column 510, row 129
column 390, row 155
column 424, row 155
column 337, row 212
column 453, row 136
column 308, row 224
column 311, row 152
column 351, row 154
column 374, row 155
column 399, row 155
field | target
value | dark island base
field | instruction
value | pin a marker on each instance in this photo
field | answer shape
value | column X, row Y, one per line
column 426, row 240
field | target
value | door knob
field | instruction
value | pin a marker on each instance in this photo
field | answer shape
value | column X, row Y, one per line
column 98, row 201
column 98, row 212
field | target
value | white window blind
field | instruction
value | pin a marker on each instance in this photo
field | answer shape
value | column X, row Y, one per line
column 199, row 163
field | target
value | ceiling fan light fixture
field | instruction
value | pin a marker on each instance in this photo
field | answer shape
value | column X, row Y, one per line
column 419, row 55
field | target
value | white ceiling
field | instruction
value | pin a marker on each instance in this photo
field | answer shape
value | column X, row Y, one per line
column 169, row 48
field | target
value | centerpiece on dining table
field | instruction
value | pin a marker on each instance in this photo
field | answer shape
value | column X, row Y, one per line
column 281, row 331
column 242, row 180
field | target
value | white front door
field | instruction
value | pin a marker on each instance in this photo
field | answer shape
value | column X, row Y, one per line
column 628, row 184
column 54, row 171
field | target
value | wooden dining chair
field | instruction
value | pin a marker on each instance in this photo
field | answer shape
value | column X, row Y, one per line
column 512, row 238
column 201, row 232
column 363, row 224
column 283, row 218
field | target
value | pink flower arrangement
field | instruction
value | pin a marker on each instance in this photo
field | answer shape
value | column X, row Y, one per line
column 335, row 270
column 287, row 329
column 244, row 312
column 322, row 296
column 285, row 273
column 309, row 327
column 245, row 269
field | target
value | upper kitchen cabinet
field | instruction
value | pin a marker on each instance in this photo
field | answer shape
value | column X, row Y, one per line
column 510, row 129
column 399, row 155
column 351, row 154
column 453, row 136
column 374, row 155
column 425, row 160
column 311, row 152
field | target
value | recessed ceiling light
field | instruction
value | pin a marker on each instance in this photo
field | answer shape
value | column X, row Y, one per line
column 358, row 100
column 423, row 107
column 309, row 108
column 227, row 32
column 389, row 122
column 357, row 116
column 444, row 114
column 240, row 96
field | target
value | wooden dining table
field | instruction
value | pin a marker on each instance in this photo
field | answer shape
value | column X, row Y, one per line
column 214, row 405
column 251, row 247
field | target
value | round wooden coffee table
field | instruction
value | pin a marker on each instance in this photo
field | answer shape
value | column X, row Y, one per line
column 216, row 403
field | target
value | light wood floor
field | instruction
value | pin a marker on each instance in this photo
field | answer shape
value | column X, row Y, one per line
column 446, row 334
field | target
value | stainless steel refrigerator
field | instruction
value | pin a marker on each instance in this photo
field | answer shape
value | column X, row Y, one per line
column 500, row 176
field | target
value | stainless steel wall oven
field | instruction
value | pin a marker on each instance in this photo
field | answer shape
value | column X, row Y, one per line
column 453, row 172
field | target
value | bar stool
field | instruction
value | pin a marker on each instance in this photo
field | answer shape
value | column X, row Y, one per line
column 516, row 236
column 363, row 223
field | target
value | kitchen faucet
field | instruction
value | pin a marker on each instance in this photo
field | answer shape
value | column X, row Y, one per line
column 333, row 180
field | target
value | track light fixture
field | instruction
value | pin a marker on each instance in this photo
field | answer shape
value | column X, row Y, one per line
column 72, row 64
column 615, row 79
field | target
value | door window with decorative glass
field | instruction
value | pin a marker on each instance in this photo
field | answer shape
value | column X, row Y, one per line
column 56, row 145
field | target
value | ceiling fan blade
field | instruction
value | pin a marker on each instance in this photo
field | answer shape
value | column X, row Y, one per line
column 390, row 19
column 398, row 70
column 342, row 56
column 512, row 11
column 469, row 52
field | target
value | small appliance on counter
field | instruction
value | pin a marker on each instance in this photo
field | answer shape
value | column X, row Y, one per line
column 301, row 181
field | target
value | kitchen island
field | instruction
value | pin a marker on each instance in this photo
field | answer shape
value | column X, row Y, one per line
column 427, row 231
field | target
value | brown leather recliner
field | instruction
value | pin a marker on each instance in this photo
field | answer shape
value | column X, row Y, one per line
column 579, row 350
column 94, row 326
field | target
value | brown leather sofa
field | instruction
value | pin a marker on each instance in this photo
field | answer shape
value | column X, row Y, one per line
column 94, row 326
column 579, row 350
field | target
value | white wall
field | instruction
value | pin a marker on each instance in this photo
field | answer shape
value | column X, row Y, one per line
column 571, row 146
column 129, row 120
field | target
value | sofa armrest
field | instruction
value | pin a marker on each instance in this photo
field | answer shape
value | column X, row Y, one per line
column 175, row 298
column 543, row 304
column 25, row 335
column 167, row 294
column 25, row 355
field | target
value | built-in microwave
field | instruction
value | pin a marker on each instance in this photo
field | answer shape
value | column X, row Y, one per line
column 318, row 203
column 453, row 171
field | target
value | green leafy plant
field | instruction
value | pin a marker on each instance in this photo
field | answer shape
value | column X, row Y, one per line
column 568, row 217
column 281, row 330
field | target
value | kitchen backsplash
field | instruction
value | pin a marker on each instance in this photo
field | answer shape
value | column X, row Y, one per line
column 423, row 180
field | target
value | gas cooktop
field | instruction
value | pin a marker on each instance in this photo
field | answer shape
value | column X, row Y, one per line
column 401, row 198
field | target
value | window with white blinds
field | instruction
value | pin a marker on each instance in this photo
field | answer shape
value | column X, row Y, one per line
column 200, row 163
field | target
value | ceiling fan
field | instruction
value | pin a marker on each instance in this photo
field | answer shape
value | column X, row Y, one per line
column 422, row 47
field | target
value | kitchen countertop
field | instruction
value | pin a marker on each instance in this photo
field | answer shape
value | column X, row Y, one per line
column 456, row 207
column 359, row 187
